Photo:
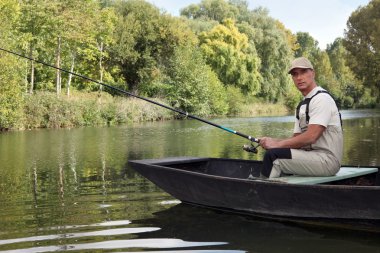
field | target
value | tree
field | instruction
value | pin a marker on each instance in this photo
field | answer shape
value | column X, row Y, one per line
column 291, row 38
column 144, row 42
column 218, row 10
column 308, row 46
column 35, row 23
column 76, row 33
column 200, row 25
column 324, row 73
column 271, row 42
column 11, row 99
column 105, row 23
column 350, row 87
column 274, row 52
column 232, row 57
column 362, row 41
column 191, row 85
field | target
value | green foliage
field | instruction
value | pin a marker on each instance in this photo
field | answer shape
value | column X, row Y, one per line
column 84, row 31
column 367, row 99
column 273, row 49
column 46, row 110
column 231, row 56
column 349, row 86
column 291, row 38
column 134, row 46
column 200, row 25
column 11, row 99
column 218, row 94
column 308, row 46
column 292, row 98
column 324, row 74
column 145, row 40
column 235, row 100
column 362, row 40
column 191, row 84
column 218, row 10
column 332, row 71
column 259, row 108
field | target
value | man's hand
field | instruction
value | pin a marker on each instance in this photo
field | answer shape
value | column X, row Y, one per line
column 311, row 135
column 268, row 143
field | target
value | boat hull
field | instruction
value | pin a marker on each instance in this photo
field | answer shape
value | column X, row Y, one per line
column 186, row 180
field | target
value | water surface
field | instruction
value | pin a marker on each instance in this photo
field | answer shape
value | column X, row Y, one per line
column 73, row 190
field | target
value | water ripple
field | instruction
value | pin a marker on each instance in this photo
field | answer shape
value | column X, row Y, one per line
column 161, row 243
column 107, row 232
column 102, row 224
column 194, row 251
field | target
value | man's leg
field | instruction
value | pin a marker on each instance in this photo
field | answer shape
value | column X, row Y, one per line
column 307, row 163
column 272, row 155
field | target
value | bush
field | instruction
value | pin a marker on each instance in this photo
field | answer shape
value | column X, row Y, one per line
column 367, row 100
column 11, row 99
column 235, row 100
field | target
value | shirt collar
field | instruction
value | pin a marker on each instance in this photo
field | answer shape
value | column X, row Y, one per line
column 313, row 91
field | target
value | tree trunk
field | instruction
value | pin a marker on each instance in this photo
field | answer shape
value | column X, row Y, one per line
column 71, row 75
column 58, row 65
column 26, row 72
column 31, row 88
column 101, row 65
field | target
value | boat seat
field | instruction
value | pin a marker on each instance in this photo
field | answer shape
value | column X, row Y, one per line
column 343, row 173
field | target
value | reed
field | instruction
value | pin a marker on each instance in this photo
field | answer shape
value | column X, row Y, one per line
column 47, row 110
column 263, row 109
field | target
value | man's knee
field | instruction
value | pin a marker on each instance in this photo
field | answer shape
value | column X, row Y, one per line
column 271, row 155
column 279, row 153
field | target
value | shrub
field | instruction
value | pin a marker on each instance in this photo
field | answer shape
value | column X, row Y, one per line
column 235, row 100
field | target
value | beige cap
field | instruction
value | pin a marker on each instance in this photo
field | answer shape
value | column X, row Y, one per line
column 301, row 63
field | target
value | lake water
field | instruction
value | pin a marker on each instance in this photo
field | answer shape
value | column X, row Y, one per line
column 73, row 190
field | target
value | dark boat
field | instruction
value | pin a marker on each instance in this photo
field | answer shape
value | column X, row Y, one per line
column 233, row 185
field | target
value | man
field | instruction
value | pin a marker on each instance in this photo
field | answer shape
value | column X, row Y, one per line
column 316, row 147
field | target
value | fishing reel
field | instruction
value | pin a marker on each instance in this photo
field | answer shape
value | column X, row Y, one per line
column 251, row 148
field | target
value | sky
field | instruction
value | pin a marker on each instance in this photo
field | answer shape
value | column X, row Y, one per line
column 324, row 20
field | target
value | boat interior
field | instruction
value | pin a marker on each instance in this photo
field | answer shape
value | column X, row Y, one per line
column 250, row 169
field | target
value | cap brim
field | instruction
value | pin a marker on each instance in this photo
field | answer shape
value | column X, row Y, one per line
column 298, row 67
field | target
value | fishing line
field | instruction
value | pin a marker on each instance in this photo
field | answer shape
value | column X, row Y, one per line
column 247, row 148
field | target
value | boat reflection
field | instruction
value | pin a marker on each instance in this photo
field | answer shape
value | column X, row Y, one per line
column 256, row 235
column 105, row 239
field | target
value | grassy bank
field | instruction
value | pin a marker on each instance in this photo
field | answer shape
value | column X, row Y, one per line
column 263, row 109
column 47, row 110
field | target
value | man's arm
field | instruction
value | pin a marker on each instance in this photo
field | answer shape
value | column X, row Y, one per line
column 310, row 136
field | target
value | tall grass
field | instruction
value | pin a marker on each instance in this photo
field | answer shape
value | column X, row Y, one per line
column 47, row 110
column 263, row 109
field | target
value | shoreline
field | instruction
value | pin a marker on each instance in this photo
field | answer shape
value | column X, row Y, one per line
column 46, row 110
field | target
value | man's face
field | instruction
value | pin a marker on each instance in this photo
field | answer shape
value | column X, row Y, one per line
column 303, row 79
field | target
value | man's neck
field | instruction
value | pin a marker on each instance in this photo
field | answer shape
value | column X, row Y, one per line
column 307, row 91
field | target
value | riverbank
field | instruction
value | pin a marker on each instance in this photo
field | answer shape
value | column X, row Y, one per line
column 46, row 110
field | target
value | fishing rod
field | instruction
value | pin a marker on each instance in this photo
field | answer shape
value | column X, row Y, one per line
column 248, row 148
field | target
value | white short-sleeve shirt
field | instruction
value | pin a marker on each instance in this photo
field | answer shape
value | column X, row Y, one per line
column 322, row 111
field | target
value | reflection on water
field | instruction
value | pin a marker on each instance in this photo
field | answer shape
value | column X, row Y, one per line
column 257, row 235
column 72, row 190
column 116, row 231
column 121, row 244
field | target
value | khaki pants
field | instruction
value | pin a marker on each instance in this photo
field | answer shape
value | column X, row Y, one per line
column 306, row 163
